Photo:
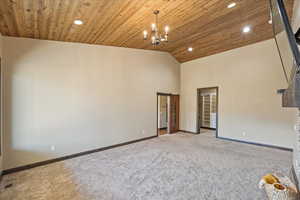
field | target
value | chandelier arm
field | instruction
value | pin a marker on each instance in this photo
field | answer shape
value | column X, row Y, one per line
column 156, row 37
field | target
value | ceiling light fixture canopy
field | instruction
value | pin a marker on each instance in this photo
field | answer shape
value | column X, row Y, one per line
column 156, row 37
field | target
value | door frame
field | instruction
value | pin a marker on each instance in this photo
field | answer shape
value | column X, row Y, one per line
column 157, row 95
column 199, row 109
column 174, row 101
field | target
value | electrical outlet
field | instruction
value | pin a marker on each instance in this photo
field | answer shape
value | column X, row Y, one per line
column 244, row 133
column 143, row 132
column 52, row 148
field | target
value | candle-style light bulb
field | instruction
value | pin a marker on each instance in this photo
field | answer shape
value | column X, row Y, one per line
column 153, row 26
column 167, row 29
column 145, row 35
column 166, row 38
column 153, row 39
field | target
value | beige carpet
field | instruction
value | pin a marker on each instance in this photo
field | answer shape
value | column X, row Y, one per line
column 171, row 167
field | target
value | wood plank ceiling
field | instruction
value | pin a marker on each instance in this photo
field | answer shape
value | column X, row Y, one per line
column 206, row 25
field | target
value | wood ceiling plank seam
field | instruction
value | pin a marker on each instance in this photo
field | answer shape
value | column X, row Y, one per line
column 35, row 20
column 215, row 39
column 59, row 12
column 4, row 27
column 53, row 18
column 263, row 10
column 67, row 5
column 115, row 27
column 48, row 19
column 68, row 10
column 73, row 12
column 187, row 14
column 11, row 13
column 202, row 48
column 103, row 20
column 28, row 22
column 47, row 13
column 41, row 18
column 17, row 8
column 211, row 42
column 97, row 20
column 220, row 50
column 211, row 17
column 213, row 26
column 89, row 17
column 215, row 5
column 106, row 19
column 9, row 17
column 253, row 39
column 74, row 30
column 32, row 18
column 215, row 45
column 113, row 16
column 242, row 18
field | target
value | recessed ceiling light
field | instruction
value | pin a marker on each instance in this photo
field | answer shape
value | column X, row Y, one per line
column 78, row 22
column 246, row 29
column 231, row 5
column 270, row 21
column 190, row 49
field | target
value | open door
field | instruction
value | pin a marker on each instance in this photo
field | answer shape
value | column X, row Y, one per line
column 207, row 111
column 174, row 113
column 200, row 110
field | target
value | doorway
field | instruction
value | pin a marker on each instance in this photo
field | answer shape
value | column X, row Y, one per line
column 167, row 113
column 207, row 115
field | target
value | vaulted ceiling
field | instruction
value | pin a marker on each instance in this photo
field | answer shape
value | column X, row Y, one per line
column 206, row 25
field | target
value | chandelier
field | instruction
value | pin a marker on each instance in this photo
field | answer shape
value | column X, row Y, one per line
column 156, row 37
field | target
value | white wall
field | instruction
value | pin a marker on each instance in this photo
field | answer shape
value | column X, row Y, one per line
column 247, row 78
column 79, row 97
